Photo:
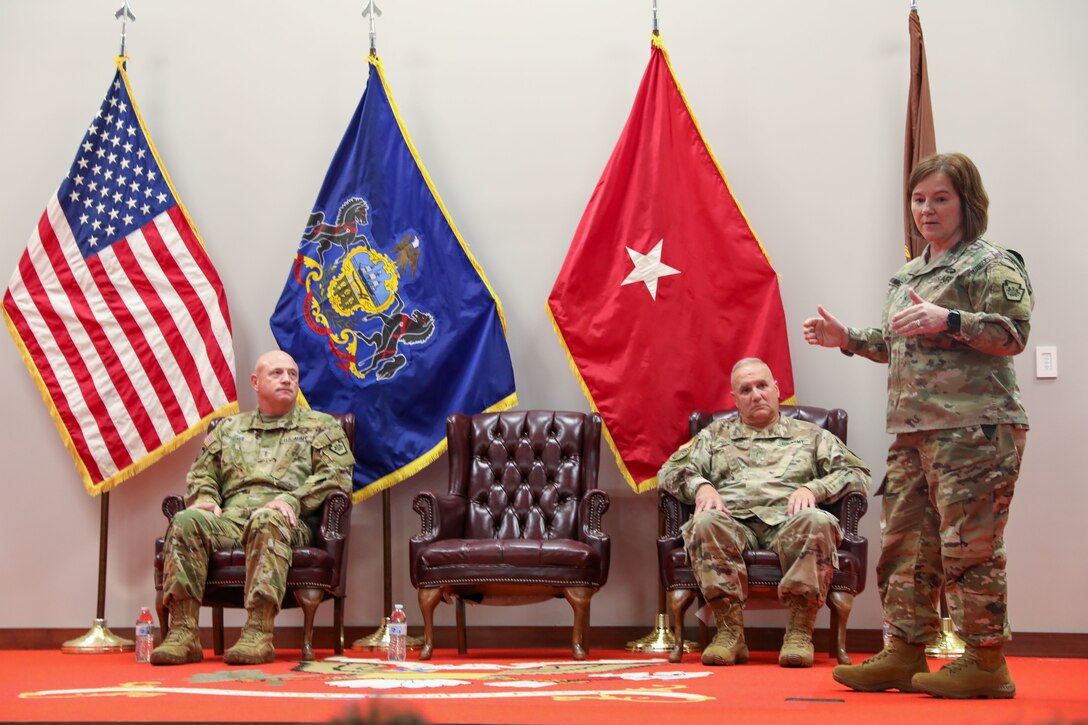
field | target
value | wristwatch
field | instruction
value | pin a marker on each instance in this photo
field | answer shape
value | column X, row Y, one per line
column 953, row 321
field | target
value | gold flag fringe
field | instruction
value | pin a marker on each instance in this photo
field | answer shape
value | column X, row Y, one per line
column 377, row 63
column 651, row 483
column 95, row 488
column 658, row 43
column 637, row 487
column 411, row 469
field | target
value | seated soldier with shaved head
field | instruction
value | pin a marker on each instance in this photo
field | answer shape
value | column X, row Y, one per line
column 258, row 476
column 755, row 481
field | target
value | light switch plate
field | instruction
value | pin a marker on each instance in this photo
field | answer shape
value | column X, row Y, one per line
column 1046, row 361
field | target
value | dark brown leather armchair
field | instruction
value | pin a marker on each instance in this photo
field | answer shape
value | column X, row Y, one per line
column 521, row 522
column 317, row 573
column 764, row 570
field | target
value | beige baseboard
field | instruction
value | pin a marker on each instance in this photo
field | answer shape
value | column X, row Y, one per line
column 1024, row 644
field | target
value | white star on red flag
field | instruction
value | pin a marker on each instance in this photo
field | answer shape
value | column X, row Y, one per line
column 648, row 268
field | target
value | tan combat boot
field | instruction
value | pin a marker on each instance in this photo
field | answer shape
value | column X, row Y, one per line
column 889, row 669
column 182, row 643
column 728, row 647
column 979, row 672
column 797, row 644
column 255, row 646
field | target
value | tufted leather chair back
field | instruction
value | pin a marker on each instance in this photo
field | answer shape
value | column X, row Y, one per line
column 522, row 472
column 521, row 522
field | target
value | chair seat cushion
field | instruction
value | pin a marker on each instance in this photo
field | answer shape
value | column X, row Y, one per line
column 310, row 567
column 550, row 561
column 764, row 570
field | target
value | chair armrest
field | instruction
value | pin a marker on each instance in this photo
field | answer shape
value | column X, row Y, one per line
column 335, row 516
column 676, row 513
column 171, row 505
column 849, row 509
column 441, row 517
column 590, row 511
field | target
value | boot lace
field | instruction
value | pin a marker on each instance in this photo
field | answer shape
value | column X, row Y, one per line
column 966, row 661
column 797, row 638
column 176, row 637
column 250, row 636
column 878, row 657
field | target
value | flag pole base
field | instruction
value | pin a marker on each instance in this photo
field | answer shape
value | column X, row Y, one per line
column 948, row 644
column 660, row 640
column 378, row 640
column 98, row 640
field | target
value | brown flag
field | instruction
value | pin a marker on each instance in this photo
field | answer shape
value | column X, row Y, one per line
column 920, row 141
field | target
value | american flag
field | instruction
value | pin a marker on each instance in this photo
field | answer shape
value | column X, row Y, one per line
column 116, row 308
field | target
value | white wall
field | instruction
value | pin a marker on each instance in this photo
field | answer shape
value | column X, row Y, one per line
column 514, row 107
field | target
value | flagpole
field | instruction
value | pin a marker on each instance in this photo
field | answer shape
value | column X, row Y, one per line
column 379, row 638
column 99, row 639
column 948, row 644
column 660, row 639
column 372, row 11
column 124, row 14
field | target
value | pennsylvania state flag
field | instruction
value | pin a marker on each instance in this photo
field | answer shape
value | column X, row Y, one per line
column 385, row 311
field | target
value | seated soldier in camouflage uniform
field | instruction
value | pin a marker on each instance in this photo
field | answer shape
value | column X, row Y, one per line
column 755, row 483
column 257, row 478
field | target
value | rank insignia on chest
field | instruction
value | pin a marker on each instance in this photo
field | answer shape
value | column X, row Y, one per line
column 1013, row 291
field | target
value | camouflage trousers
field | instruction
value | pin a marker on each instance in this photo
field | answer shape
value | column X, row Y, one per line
column 266, row 537
column 805, row 544
column 946, row 503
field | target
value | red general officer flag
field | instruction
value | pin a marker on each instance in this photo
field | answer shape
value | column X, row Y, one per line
column 665, row 285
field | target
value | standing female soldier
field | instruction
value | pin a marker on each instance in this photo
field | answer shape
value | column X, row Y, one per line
column 954, row 317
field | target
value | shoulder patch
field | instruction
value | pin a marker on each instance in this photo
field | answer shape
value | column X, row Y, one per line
column 1013, row 291
column 339, row 447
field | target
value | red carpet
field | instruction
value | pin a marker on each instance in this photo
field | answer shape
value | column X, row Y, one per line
column 502, row 686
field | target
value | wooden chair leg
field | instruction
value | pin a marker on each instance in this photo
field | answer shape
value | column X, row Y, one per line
column 840, row 604
column 217, row 630
column 429, row 597
column 578, row 598
column 462, row 633
column 338, row 625
column 308, row 599
column 679, row 601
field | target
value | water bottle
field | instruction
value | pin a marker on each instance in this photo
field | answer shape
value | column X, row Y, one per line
column 398, row 634
column 145, row 635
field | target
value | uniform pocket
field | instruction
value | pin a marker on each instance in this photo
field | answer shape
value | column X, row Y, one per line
column 967, row 464
column 978, row 467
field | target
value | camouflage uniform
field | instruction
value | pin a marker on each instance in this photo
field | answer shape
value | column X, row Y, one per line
column 246, row 462
column 755, row 471
column 960, row 431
